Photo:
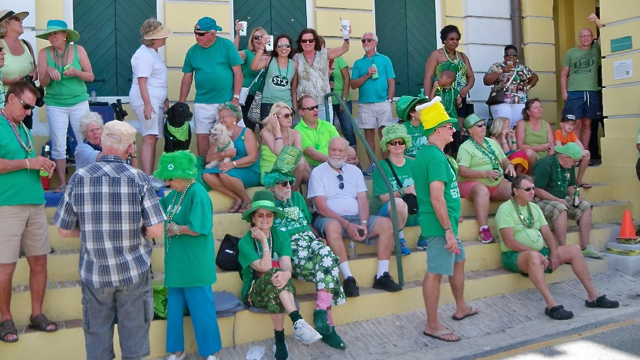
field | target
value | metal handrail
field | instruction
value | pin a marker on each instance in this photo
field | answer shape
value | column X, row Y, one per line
column 372, row 155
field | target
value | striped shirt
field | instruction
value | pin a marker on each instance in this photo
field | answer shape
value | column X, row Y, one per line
column 111, row 203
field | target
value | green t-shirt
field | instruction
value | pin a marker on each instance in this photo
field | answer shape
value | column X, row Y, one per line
column 189, row 261
column 431, row 165
column 476, row 158
column 248, row 254
column 213, row 70
column 583, row 68
column 338, row 81
column 318, row 138
column 248, row 75
column 21, row 187
column 416, row 133
column 298, row 218
column 404, row 173
column 508, row 217
column 547, row 173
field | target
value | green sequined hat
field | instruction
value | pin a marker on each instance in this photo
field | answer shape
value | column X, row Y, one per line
column 283, row 168
column 392, row 132
column 263, row 199
column 176, row 165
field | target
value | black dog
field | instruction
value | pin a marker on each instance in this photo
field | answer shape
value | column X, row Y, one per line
column 177, row 132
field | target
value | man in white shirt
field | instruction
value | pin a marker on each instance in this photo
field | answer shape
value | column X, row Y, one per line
column 339, row 195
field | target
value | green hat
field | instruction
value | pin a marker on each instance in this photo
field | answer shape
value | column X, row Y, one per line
column 59, row 25
column 394, row 131
column 471, row 120
column 283, row 168
column 263, row 199
column 571, row 149
column 406, row 103
column 432, row 115
column 176, row 165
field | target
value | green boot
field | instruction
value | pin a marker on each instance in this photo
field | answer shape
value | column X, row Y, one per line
column 334, row 340
column 320, row 322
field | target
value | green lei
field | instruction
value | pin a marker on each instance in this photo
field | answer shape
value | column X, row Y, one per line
column 563, row 179
column 490, row 153
column 528, row 223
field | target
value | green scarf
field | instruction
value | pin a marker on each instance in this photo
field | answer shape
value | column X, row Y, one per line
column 181, row 133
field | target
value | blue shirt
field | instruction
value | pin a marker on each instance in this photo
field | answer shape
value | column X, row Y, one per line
column 374, row 91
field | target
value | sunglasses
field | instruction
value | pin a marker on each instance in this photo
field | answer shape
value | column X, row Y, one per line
column 366, row 40
column 26, row 106
column 287, row 182
column 341, row 186
column 527, row 189
column 280, row 46
column 396, row 142
column 307, row 41
column 200, row 33
column 286, row 116
column 511, row 54
column 269, row 215
column 257, row 37
column 453, row 39
column 481, row 125
column 311, row 108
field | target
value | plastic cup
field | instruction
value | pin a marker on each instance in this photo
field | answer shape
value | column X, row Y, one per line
column 243, row 31
column 269, row 45
column 44, row 173
column 344, row 25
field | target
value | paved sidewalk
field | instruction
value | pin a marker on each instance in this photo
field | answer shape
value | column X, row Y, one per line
column 504, row 322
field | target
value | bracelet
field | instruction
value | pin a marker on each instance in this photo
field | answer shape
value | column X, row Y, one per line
column 176, row 230
column 445, row 230
column 364, row 222
column 234, row 164
column 279, row 138
column 28, row 167
column 514, row 142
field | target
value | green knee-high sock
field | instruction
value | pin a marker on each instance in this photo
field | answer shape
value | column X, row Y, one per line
column 281, row 348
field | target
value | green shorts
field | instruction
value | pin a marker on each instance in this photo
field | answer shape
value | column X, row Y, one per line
column 440, row 260
column 510, row 261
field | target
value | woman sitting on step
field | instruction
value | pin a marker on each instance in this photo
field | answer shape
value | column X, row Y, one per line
column 265, row 258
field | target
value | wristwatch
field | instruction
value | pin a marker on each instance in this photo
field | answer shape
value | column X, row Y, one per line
column 344, row 99
column 390, row 100
column 236, row 97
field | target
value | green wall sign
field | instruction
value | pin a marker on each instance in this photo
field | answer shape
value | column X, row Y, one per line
column 621, row 44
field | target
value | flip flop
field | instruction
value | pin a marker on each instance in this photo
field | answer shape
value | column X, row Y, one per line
column 584, row 185
column 438, row 335
column 59, row 189
column 471, row 312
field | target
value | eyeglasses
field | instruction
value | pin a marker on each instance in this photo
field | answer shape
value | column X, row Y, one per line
column 200, row 33
column 307, row 41
column 481, row 125
column 287, row 182
column 527, row 189
column 454, row 39
column 366, row 40
column 26, row 106
column 311, row 108
column 269, row 215
column 511, row 54
column 225, row 116
column 450, row 127
column 257, row 37
column 396, row 142
column 286, row 116
column 341, row 186
column 280, row 46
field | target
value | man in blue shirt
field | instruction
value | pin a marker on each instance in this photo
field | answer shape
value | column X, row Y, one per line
column 373, row 75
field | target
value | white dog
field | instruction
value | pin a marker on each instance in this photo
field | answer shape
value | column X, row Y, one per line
column 220, row 138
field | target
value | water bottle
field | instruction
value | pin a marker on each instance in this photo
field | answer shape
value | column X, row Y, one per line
column 47, row 151
column 93, row 96
column 353, row 254
column 576, row 197
column 374, row 76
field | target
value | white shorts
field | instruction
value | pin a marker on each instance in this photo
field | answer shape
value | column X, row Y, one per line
column 155, row 125
column 513, row 112
column 373, row 116
column 205, row 117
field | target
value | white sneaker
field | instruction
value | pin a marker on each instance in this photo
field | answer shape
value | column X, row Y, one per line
column 212, row 357
column 305, row 333
column 174, row 357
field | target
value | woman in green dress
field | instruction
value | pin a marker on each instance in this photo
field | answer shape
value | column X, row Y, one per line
column 265, row 258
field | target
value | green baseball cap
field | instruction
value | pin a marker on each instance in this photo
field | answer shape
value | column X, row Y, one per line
column 570, row 149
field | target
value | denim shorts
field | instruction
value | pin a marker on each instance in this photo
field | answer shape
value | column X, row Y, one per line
column 440, row 260
column 320, row 222
column 412, row 220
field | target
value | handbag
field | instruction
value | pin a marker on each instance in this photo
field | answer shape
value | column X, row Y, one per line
column 497, row 96
column 29, row 79
column 227, row 257
column 256, row 88
column 410, row 199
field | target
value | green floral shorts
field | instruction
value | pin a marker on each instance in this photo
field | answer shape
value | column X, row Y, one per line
column 264, row 295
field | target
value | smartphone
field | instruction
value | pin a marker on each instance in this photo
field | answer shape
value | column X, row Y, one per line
column 361, row 232
column 269, row 45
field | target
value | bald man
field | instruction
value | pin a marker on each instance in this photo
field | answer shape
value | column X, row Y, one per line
column 579, row 81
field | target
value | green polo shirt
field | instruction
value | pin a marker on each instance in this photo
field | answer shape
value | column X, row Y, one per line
column 317, row 138
column 547, row 173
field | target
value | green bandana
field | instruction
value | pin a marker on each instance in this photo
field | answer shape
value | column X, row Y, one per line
column 181, row 133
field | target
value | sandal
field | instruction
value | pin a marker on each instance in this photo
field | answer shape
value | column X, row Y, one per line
column 235, row 206
column 8, row 327
column 584, row 185
column 41, row 323
column 245, row 206
column 558, row 313
column 60, row 189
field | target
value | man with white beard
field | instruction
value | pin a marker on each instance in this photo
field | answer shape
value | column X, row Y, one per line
column 339, row 195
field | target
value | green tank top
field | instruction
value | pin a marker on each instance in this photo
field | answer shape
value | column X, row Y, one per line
column 68, row 91
column 535, row 138
column 249, row 75
column 267, row 159
column 277, row 84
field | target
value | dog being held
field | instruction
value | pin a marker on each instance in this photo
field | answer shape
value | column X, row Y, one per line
column 177, row 131
column 220, row 139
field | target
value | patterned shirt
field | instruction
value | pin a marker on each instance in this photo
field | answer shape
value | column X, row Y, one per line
column 111, row 203
column 313, row 79
column 514, row 83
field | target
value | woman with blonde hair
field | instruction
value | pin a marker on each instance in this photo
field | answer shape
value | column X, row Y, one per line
column 277, row 134
column 256, row 37
column 148, row 94
column 500, row 132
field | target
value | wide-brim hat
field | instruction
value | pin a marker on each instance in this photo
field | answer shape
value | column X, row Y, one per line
column 59, row 25
column 159, row 33
column 207, row 24
column 433, row 114
column 8, row 14
column 392, row 132
column 176, row 165
column 283, row 167
column 571, row 149
column 406, row 103
column 263, row 199
column 471, row 120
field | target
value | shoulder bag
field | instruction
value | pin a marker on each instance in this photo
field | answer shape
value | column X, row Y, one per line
column 410, row 199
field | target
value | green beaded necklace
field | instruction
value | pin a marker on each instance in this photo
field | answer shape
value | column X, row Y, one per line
column 490, row 153
column 563, row 175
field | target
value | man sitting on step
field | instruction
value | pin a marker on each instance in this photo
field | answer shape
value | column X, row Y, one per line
column 339, row 195
column 555, row 186
column 522, row 230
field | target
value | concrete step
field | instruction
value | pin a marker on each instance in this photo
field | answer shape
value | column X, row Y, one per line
column 67, row 343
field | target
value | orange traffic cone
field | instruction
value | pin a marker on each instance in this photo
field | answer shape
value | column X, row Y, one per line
column 627, row 231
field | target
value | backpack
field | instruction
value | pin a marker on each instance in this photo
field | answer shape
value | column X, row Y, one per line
column 227, row 257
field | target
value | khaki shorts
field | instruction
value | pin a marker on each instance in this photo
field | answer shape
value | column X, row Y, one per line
column 373, row 116
column 24, row 225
